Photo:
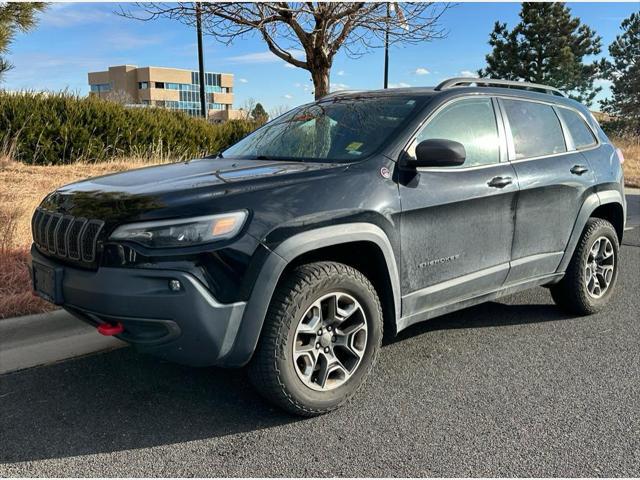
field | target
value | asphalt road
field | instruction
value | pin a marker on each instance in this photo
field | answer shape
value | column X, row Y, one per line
column 508, row 388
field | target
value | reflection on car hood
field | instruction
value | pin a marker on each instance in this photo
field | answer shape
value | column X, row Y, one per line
column 193, row 174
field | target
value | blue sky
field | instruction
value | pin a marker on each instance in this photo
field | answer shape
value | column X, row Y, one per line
column 75, row 38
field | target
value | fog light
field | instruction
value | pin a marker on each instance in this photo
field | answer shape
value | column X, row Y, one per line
column 175, row 286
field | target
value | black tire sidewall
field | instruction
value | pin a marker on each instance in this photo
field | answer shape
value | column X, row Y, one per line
column 330, row 399
column 602, row 230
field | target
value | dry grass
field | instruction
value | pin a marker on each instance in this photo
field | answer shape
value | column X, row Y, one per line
column 631, row 150
column 22, row 188
column 15, row 287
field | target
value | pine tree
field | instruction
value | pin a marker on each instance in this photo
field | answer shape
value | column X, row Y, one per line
column 259, row 114
column 15, row 17
column 624, row 73
column 547, row 46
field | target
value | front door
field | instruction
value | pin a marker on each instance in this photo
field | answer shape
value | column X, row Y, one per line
column 457, row 222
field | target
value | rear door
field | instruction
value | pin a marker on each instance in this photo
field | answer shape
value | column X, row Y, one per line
column 553, row 177
column 457, row 222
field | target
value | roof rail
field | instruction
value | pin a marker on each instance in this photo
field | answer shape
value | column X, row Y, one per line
column 488, row 82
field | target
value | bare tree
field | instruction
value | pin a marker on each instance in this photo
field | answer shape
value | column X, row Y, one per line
column 247, row 107
column 121, row 97
column 308, row 35
column 278, row 110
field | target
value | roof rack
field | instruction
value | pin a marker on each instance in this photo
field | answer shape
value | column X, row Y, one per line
column 489, row 82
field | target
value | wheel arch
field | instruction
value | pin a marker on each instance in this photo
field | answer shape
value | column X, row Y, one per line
column 346, row 243
column 612, row 211
column 608, row 205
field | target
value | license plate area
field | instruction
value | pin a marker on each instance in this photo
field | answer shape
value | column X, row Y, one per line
column 47, row 282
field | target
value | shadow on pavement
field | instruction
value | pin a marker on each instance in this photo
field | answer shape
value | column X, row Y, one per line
column 122, row 400
column 490, row 314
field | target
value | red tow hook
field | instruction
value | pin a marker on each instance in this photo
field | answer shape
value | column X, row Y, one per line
column 110, row 329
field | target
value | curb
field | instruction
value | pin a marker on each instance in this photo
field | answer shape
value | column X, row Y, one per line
column 45, row 338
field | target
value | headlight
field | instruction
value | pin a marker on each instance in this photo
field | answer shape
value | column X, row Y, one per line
column 179, row 233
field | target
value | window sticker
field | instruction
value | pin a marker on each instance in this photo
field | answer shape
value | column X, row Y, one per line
column 353, row 147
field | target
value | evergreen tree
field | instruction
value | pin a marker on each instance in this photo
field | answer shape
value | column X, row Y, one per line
column 547, row 46
column 624, row 73
column 15, row 17
column 259, row 114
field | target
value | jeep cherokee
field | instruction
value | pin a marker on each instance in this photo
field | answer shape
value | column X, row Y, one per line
column 292, row 249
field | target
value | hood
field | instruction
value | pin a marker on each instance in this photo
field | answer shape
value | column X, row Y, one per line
column 165, row 189
column 193, row 174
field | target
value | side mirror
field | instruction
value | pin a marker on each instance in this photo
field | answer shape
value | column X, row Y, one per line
column 438, row 152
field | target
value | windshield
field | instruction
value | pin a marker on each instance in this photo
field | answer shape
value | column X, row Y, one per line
column 336, row 130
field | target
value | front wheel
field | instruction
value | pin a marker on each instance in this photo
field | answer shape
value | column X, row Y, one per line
column 320, row 339
column 592, row 273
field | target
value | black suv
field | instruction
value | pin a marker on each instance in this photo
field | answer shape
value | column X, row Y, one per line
column 291, row 250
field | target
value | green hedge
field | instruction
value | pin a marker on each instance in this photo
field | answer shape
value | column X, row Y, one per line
column 53, row 129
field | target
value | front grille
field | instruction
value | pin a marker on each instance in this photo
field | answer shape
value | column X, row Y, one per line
column 66, row 237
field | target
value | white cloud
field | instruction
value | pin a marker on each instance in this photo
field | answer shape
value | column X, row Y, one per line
column 61, row 71
column 70, row 14
column 243, row 80
column 288, row 96
column 288, row 65
column 122, row 40
column 421, row 71
column 338, row 86
column 261, row 57
column 468, row 73
column 399, row 85
column 340, row 73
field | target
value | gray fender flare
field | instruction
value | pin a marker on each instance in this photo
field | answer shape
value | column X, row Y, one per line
column 279, row 258
column 593, row 201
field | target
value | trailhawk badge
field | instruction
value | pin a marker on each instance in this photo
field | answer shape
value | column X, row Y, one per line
column 438, row 261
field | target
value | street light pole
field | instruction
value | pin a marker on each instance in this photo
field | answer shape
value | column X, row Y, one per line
column 203, row 100
column 386, row 49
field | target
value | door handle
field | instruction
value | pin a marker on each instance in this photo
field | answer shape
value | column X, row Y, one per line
column 500, row 182
column 579, row 169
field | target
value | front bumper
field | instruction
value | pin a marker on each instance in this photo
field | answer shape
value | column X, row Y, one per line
column 188, row 326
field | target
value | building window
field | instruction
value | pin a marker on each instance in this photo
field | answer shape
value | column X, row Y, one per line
column 143, row 85
column 159, row 84
column 100, row 87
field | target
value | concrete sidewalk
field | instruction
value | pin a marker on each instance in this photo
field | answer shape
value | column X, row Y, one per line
column 45, row 338
column 633, row 206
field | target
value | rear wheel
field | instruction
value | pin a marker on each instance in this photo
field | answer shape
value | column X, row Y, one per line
column 592, row 273
column 320, row 339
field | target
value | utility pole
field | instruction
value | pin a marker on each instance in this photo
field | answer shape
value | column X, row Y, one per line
column 386, row 48
column 203, row 100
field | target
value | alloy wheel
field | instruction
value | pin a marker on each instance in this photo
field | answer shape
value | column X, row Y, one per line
column 330, row 341
column 599, row 267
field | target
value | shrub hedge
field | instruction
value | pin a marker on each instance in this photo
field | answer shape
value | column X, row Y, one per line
column 62, row 128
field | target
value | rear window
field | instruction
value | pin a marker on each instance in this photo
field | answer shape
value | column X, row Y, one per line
column 578, row 129
column 535, row 128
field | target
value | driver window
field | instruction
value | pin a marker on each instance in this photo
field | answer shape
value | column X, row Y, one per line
column 471, row 122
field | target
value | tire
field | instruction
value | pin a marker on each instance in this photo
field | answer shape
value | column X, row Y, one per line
column 574, row 292
column 290, row 366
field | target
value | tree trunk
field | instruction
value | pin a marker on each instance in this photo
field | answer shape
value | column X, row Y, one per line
column 320, row 77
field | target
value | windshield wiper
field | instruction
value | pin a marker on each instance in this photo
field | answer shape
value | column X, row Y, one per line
column 278, row 159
